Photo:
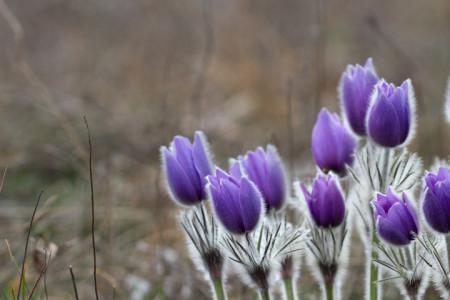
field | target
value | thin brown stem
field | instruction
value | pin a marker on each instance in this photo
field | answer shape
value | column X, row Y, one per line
column 41, row 274
column 74, row 283
column 26, row 244
column 91, row 182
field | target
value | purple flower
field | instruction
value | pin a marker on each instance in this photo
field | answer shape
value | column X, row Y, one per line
column 266, row 171
column 436, row 200
column 236, row 201
column 325, row 202
column 333, row 145
column 390, row 116
column 356, row 86
column 396, row 218
column 186, row 166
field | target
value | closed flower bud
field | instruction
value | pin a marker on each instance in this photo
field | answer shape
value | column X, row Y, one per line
column 265, row 169
column 396, row 218
column 186, row 166
column 390, row 117
column 333, row 146
column 356, row 86
column 436, row 200
column 236, row 201
column 325, row 202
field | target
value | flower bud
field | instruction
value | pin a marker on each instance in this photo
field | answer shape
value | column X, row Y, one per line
column 186, row 166
column 332, row 146
column 236, row 201
column 325, row 202
column 265, row 170
column 356, row 86
column 396, row 218
column 390, row 117
column 436, row 200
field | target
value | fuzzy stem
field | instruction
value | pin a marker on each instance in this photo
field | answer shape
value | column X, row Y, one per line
column 447, row 242
column 289, row 285
column 329, row 291
column 218, row 289
column 385, row 171
column 264, row 294
column 373, row 274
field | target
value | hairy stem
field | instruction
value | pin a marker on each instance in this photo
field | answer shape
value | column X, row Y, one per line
column 289, row 288
column 264, row 294
column 447, row 242
column 373, row 274
column 218, row 289
column 329, row 291
column 385, row 171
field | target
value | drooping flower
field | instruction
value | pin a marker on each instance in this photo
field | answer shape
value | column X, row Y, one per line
column 436, row 200
column 396, row 218
column 265, row 169
column 332, row 146
column 186, row 166
column 325, row 202
column 390, row 117
column 356, row 86
column 236, row 201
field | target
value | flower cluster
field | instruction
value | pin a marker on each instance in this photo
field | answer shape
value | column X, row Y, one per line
column 241, row 214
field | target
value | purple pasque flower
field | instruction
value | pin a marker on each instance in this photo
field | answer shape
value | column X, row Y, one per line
column 355, row 88
column 332, row 144
column 265, row 169
column 390, row 117
column 186, row 166
column 325, row 202
column 436, row 200
column 396, row 218
column 236, row 200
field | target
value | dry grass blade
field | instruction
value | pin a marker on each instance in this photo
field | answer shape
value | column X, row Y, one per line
column 26, row 245
column 74, row 283
column 91, row 182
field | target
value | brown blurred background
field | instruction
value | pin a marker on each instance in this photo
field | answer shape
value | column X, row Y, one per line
column 246, row 72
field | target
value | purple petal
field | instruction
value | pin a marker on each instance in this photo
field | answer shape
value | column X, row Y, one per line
column 250, row 204
column 435, row 212
column 388, row 230
column 179, row 183
column 383, row 123
column 226, row 207
column 182, row 149
column 200, row 154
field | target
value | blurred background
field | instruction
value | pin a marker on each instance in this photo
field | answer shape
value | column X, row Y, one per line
column 246, row 72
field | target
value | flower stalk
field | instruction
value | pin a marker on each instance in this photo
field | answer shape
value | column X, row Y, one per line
column 287, row 273
column 373, row 274
column 329, row 289
column 218, row 289
column 264, row 294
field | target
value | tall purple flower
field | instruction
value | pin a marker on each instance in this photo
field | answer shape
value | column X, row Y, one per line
column 436, row 200
column 325, row 202
column 390, row 118
column 236, row 201
column 333, row 146
column 396, row 218
column 266, row 170
column 356, row 86
column 186, row 166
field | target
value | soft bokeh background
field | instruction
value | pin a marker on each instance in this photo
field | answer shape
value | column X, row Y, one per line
column 247, row 72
